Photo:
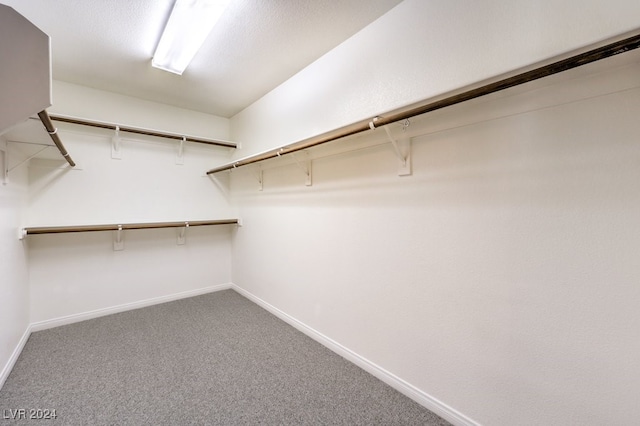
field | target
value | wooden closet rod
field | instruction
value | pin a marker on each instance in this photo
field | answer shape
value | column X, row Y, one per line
column 53, row 133
column 124, row 226
column 429, row 105
column 141, row 131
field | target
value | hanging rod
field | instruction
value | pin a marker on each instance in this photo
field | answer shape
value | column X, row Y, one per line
column 124, row 226
column 141, row 131
column 53, row 133
column 428, row 105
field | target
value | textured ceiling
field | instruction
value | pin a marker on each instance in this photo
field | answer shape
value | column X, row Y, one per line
column 256, row 45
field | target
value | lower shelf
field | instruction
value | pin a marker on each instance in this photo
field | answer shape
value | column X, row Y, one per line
column 124, row 226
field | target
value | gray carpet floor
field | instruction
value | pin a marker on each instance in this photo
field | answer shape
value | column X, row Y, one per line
column 216, row 359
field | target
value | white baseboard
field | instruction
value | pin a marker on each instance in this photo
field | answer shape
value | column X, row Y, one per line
column 14, row 356
column 422, row 398
column 392, row 380
column 69, row 319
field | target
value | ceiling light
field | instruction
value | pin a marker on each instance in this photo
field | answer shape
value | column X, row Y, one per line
column 189, row 25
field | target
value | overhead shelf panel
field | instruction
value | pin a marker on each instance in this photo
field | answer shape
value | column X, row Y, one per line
column 25, row 74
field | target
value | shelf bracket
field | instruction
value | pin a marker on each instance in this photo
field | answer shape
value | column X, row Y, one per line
column 306, row 169
column 182, row 234
column 27, row 159
column 180, row 156
column 259, row 175
column 5, row 166
column 402, row 150
column 116, row 152
column 118, row 239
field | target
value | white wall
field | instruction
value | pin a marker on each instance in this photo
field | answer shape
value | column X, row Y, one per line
column 85, row 102
column 14, row 283
column 146, row 185
column 419, row 50
column 75, row 274
column 500, row 278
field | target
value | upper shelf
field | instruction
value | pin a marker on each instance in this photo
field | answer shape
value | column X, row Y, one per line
column 429, row 105
column 25, row 74
column 124, row 226
column 143, row 131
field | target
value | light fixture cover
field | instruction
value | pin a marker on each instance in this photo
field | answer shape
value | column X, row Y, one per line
column 189, row 25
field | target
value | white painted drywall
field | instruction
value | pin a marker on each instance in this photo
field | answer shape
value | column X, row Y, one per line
column 85, row 102
column 76, row 273
column 73, row 274
column 25, row 89
column 146, row 185
column 14, row 283
column 419, row 50
column 500, row 278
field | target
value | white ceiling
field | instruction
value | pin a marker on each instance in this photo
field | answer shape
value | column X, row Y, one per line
column 256, row 45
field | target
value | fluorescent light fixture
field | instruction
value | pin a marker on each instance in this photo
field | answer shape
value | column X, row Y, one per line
column 189, row 25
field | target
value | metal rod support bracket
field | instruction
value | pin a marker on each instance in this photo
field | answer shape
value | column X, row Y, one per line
column 402, row 149
column 306, row 169
column 5, row 166
column 116, row 152
column 259, row 175
column 27, row 159
column 182, row 234
column 180, row 156
column 118, row 240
